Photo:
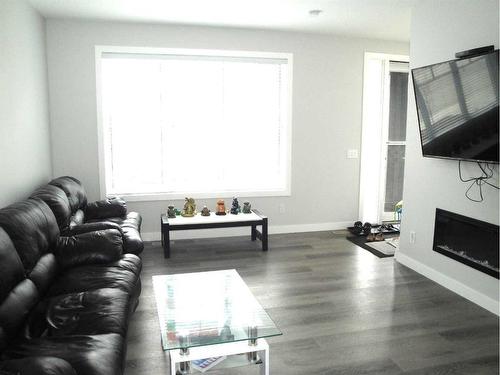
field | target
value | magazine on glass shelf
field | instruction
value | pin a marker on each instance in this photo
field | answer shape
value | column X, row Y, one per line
column 206, row 363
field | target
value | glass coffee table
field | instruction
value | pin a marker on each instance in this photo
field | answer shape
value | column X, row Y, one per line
column 211, row 315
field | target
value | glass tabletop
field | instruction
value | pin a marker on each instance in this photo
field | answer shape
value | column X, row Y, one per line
column 206, row 308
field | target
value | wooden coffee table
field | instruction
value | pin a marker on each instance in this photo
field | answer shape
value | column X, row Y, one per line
column 253, row 219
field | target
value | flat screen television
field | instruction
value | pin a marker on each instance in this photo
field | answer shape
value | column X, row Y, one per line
column 457, row 106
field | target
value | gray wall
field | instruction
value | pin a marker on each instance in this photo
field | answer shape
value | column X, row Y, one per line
column 326, row 110
column 438, row 30
column 25, row 159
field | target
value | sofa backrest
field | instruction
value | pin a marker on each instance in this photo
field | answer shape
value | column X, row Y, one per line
column 33, row 229
column 74, row 191
column 18, row 295
column 11, row 267
column 58, row 202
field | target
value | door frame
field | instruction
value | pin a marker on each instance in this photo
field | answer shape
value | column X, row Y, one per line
column 374, row 131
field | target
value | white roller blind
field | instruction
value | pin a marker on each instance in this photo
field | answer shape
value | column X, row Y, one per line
column 180, row 124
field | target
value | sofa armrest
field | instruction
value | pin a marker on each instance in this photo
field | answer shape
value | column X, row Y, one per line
column 106, row 208
column 103, row 246
column 36, row 365
column 91, row 227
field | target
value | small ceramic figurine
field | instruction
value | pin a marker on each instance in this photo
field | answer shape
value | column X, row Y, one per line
column 205, row 211
column 247, row 207
column 171, row 212
column 189, row 208
column 235, row 207
column 221, row 207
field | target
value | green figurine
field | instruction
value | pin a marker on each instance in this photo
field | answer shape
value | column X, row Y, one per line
column 247, row 208
column 171, row 212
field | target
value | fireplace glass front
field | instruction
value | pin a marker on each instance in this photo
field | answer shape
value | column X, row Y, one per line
column 467, row 240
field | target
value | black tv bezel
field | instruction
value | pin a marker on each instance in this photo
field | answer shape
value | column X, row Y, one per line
column 418, row 113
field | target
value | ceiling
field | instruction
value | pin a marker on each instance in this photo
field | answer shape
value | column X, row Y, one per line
column 382, row 19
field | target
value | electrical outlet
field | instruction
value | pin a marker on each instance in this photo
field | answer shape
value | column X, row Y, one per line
column 282, row 208
column 352, row 154
column 413, row 237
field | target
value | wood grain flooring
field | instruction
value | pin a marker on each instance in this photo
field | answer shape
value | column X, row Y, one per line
column 341, row 309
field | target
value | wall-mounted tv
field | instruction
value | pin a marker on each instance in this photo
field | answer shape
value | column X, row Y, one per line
column 457, row 105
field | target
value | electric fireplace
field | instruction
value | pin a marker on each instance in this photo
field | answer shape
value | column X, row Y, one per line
column 467, row 240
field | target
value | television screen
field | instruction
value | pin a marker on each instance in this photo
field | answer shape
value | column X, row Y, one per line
column 457, row 105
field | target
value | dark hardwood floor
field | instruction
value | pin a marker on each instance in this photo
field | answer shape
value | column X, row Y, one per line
column 342, row 310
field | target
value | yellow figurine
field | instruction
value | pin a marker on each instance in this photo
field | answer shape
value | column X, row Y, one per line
column 189, row 208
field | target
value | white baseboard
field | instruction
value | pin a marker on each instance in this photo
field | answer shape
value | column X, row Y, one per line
column 456, row 286
column 245, row 231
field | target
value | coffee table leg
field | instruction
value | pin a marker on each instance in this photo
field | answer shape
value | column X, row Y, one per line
column 184, row 368
column 161, row 226
column 173, row 369
column 264, row 366
column 254, row 232
column 166, row 240
column 252, row 334
column 264, row 234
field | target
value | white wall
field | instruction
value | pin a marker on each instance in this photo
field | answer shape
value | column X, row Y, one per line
column 25, row 160
column 438, row 30
column 326, row 111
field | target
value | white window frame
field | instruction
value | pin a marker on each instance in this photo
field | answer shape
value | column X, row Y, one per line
column 103, row 167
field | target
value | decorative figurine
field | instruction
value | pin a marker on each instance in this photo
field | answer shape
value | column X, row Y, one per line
column 221, row 207
column 247, row 208
column 205, row 211
column 235, row 207
column 189, row 208
column 171, row 212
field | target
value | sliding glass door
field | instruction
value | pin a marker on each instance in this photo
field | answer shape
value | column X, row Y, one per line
column 395, row 142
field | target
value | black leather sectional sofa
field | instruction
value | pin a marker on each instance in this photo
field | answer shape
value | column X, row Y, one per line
column 69, row 282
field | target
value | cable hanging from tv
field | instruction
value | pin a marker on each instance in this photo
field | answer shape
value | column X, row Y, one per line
column 486, row 174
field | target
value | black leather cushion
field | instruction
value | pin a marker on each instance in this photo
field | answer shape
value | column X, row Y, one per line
column 88, row 355
column 111, row 207
column 89, row 313
column 91, row 227
column 131, row 227
column 122, row 274
column 101, row 246
column 37, row 366
column 17, row 295
column 44, row 272
column 32, row 227
column 11, row 268
column 74, row 191
column 14, row 310
column 58, row 202
column 132, row 220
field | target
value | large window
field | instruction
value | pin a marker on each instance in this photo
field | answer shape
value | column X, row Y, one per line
column 204, row 123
